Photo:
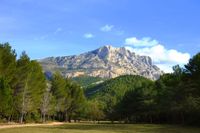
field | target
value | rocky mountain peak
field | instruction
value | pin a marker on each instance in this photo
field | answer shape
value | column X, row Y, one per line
column 104, row 51
column 106, row 62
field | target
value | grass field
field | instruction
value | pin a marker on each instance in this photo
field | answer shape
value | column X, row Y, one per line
column 103, row 128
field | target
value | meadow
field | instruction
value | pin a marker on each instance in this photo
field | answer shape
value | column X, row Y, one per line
column 103, row 128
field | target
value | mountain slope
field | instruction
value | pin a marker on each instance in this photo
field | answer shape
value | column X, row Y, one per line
column 116, row 87
column 105, row 62
column 87, row 81
column 111, row 92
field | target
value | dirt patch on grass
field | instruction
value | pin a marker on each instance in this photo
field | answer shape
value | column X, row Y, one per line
column 14, row 125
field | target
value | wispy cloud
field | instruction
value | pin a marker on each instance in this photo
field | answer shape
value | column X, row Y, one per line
column 48, row 35
column 107, row 28
column 162, row 57
column 57, row 30
column 42, row 37
column 88, row 35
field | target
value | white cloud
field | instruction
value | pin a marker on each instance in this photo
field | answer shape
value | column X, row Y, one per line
column 107, row 28
column 144, row 42
column 167, row 68
column 58, row 30
column 162, row 57
column 88, row 35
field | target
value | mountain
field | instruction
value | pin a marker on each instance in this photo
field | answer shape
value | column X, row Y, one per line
column 105, row 62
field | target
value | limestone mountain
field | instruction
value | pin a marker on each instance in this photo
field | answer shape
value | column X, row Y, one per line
column 105, row 62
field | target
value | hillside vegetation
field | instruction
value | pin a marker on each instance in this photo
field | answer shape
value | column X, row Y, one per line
column 87, row 81
column 117, row 87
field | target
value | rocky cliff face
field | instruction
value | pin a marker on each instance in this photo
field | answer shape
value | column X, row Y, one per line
column 106, row 62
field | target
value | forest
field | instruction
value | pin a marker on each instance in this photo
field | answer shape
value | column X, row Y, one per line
column 26, row 95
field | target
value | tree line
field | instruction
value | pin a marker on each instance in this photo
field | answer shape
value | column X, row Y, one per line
column 174, row 98
column 26, row 95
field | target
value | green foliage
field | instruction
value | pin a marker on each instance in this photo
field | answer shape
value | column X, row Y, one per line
column 116, row 87
column 174, row 98
column 58, row 90
column 6, row 99
column 7, row 72
column 30, row 86
column 137, row 103
column 25, row 95
column 95, row 110
column 69, row 97
column 87, row 81
column 7, row 62
column 112, row 91
column 77, row 100
column 193, row 67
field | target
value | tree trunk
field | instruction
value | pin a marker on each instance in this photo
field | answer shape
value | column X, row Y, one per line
column 23, row 101
column 59, row 116
column 66, row 116
column 21, row 118
column 151, row 121
column 69, row 119
column 48, row 117
column 9, row 118
column 182, row 118
column 41, row 117
column 44, row 118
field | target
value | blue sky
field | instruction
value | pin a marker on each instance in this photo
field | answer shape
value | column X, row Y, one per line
column 61, row 27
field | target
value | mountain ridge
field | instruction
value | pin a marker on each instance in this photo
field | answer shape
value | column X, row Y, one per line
column 104, row 62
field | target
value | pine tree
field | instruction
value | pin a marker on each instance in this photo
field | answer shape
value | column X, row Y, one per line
column 75, row 100
column 58, row 91
column 30, row 86
column 7, row 62
column 7, row 71
column 6, row 99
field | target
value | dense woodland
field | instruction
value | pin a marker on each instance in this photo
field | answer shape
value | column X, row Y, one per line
column 26, row 95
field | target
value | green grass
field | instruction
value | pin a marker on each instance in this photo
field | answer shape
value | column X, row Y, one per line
column 103, row 128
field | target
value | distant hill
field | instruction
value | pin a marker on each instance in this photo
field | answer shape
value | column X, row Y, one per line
column 116, row 86
column 105, row 62
column 110, row 92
